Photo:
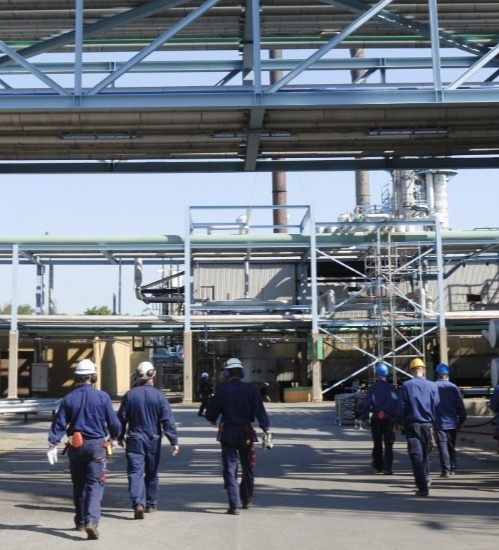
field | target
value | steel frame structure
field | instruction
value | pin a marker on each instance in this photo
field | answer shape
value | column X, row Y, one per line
column 404, row 253
column 91, row 115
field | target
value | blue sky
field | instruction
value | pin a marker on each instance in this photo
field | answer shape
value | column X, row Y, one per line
column 157, row 204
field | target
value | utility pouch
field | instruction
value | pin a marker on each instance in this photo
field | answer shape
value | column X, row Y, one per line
column 220, row 432
column 250, row 434
column 77, row 440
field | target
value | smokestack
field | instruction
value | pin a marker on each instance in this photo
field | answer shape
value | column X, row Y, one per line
column 279, row 190
column 362, row 186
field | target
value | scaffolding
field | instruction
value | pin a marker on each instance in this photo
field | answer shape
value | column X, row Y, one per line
column 390, row 301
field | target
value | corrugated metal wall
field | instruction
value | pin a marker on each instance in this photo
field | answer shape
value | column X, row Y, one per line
column 228, row 282
column 469, row 283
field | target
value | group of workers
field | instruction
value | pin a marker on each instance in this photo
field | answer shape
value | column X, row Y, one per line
column 428, row 413
column 87, row 417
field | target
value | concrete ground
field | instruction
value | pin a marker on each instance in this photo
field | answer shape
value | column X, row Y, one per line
column 315, row 489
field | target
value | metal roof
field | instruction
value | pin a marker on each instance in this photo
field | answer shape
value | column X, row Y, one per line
column 195, row 89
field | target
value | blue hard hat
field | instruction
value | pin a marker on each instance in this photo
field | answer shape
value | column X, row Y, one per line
column 442, row 369
column 382, row 370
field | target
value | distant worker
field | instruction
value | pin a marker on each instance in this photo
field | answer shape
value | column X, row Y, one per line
column 494, row 401
column 494, row 407
column 381, row 401
column 145, row 414
column 450, row 416
column 416, row 412
column 87, row 416
column 237, row 404
column 205, row 392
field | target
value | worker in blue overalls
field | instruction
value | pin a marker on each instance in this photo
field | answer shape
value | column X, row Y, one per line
column 87, row 416
column 237, row 404
column 416, row 412
column 381, row 402
column 147, row 414
column 451, row 415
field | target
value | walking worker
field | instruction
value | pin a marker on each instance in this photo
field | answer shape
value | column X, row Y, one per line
column 237, row 404
column 381, row 402
column 494, row 400
column 416, row 412
column 450, row 416
column 205, row 391
column 87, row 417
column 494, row 407
column 145, row 415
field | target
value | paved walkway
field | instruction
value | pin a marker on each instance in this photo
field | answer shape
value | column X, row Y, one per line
column 314, row 490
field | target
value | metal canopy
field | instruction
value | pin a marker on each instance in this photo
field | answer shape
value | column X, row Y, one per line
column 179, row 85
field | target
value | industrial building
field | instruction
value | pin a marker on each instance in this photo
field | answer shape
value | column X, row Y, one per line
column 169, row 86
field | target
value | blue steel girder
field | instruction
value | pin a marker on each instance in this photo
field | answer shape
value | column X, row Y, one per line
column 251, row 38
column 153, row 46
column 141, row 12
column 414, row 27
column 253, row 98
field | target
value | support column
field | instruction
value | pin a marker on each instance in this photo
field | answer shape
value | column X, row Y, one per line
column 442, row 326
column 98, row 355
column 444, row 346
column 13, row 364
column 316, row 369
column 188, row 360
column 13, row 334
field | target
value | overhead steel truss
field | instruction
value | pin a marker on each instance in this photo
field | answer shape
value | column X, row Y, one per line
column 190, row 86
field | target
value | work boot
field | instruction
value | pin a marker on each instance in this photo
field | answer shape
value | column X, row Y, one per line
column 139, row 512
column 91, row 529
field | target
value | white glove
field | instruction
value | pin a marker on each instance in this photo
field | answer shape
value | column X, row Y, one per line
column 52, row 455
column 267, row 441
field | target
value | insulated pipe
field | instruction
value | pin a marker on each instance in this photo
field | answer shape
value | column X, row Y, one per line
column 430, row 192
column 132, row 242
column 440, row 180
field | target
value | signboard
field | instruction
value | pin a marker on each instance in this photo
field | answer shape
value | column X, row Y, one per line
column 39, row 377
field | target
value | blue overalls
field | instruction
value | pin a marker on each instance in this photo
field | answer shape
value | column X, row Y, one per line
column 450, row 414
column 237, row 404
column 90, row 412
column 418, row 399
column 381, row 400
column 146, row 412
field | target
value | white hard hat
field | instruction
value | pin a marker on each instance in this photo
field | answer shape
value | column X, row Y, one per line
column 85, row 367
column 205, row 375
column 145, row 370
column 233, row 363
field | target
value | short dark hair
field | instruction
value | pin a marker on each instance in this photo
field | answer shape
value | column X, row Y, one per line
column 80, row 378
column 235, row 372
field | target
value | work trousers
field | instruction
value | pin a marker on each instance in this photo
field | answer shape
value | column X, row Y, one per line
column 446, row 442
column 143, row 456
column 383, row 434
column 237, row 448
column 419, row 445
column 87, row 465
column 203, row 405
